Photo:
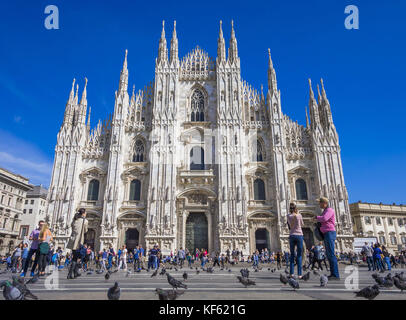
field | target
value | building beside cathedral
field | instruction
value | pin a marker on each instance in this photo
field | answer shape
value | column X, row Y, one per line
column 197, row 159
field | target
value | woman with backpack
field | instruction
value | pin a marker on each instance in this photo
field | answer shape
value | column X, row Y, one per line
column 295, row 223
column 79, row 228
column 45, row 238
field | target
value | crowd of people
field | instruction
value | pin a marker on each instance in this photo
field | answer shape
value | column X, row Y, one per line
column 42, row 253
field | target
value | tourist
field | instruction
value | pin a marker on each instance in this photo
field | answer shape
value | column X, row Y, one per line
column 45, row 238
column 181, row 256
column 33, row 249
column 327, row 220
column 368, row 252
column 377, row 258
column 123, row 258
column 79, row 228
column 295, row 223
column 386, row 258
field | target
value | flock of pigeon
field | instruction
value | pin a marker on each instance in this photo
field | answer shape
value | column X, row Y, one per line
column 16, row 289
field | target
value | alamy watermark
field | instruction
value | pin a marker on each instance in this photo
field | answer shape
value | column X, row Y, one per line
column 52, row 20
column 352, row 20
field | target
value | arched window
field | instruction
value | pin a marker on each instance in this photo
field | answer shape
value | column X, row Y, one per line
column 93, row 191
column 139, row 151
column 260, row 154
column 393, row 240
column 301, row 191
column 197, row 106
column 197, row 158
column 367, row 220
column 135, row 190
column 259, row 189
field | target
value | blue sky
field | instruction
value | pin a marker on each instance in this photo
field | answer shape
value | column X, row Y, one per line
column 363, row 71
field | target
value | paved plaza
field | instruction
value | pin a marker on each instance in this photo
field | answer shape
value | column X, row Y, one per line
column 220, row 285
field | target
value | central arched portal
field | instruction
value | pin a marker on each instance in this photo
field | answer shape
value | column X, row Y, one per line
column 131, row 238
column 261, row 239
column 197, row 235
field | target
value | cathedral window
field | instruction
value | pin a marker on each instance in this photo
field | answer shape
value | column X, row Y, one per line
column 93, row 191
column 135, row 190
column 259, row 189
column 139, row 151
column 393, row 240
column 197, row 106
column 197, row 158
column 301, row 191
column 258, row 153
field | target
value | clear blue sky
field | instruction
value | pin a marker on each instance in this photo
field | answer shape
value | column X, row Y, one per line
column 364, row 71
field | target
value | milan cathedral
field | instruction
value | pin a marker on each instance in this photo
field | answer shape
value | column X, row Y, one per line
column 197, row 159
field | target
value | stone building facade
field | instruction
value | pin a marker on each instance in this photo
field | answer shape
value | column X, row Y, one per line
column 13, row 189
column 197, row 158
column 385, row 222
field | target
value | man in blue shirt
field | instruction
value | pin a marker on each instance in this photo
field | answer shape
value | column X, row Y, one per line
column 137, row 258
column 110, row 258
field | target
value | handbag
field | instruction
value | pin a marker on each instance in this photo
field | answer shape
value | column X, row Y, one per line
column 317, row 232
column 44, row 248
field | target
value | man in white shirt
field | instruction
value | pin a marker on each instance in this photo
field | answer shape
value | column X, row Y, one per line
column 123, row 258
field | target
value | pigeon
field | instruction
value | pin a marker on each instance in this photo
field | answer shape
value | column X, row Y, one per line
column 368, row 292
column 286, row 271
column 175, row 283
column 154, row 273
column 269, row 269
column 107, row 276
column 229, row 270
column 89, row 273
column 99, row 271
column 197, row 271
column 379, row 280
column 245, row 281
column 10, row 292
column 306, row 276
column 400, row 276
column 256, row 270
column 245, row 273
column 18, row 282
column 399, row 284
column 114, row 292
column 185, row 276
column 323, row 280
column 168, row 294
column 283, row 279
column 163, row 271
column 293, row 283
column 210, row 270
column 388, row 282
column 34, row 279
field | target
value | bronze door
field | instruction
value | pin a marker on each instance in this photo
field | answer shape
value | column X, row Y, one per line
column 196, row 232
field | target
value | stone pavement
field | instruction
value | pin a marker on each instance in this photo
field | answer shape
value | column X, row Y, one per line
column 220, row 285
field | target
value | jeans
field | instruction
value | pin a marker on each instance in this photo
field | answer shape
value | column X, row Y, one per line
column 378, row 264
column 296, row 241
column 387, row 261
column 29, row 257
column 329, row 239
column 370, row 262
column 137, row 263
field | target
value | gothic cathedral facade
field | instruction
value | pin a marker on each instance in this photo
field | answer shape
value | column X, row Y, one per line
column 196, row 159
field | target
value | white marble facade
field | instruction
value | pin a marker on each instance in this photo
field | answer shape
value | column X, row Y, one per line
column 197, row 139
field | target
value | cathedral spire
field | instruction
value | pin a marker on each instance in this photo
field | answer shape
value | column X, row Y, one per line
column 83, row 101
column 325, row 104
column 314, row 112
column 174, row 44
column 163, row 50
column 88, row 119
column 133, row 97
column 232, row 50
column 124, row 75
column 76, row 95
column 307, row 118
column 71, row 95
column 221, row 45
column 272, row 84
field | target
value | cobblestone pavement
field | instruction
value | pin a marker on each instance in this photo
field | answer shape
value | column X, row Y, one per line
column 220, row 285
